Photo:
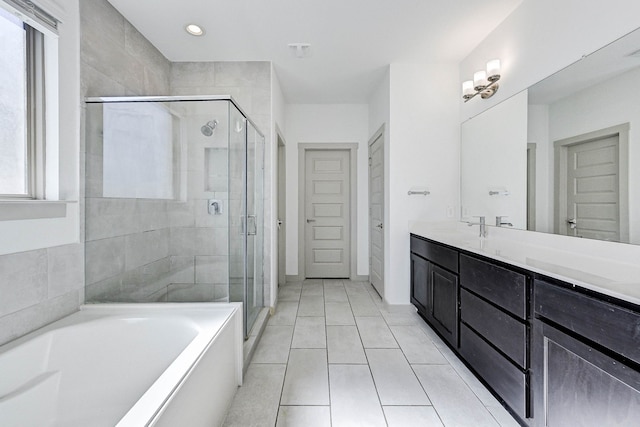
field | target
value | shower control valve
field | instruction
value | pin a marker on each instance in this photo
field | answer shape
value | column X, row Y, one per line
column 214, row 207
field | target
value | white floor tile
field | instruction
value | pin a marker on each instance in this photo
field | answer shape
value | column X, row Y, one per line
column 274, row 345
column 344, row 345
column 335, row 294
column 395, row 381
column 311, row 306
column 312, row 289
column 309, row 332
column 285, row 314
column 362, row 305
column 339, row 313
column 354, row 401
column 320, row 333
column 416, row 347
column 256, row 402
column 412, row 416
column 304, row 416
column 452, row 399
column 469, row 378
column 289, row 292
column 375, row 333
column 503, row 417
column 306, row 380
column 401, row 315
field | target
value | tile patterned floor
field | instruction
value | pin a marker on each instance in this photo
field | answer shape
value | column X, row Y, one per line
column 334, row 355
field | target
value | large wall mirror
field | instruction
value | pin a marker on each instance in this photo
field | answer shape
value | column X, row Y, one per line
column 563, row 156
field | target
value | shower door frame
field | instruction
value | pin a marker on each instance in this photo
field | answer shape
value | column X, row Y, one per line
column 262, row 139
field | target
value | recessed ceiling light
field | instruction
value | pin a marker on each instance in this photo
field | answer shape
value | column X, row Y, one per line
column 194, row 29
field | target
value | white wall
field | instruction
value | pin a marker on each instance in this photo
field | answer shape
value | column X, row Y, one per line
column 494, row 158
column 25, row 235
column 42, row 260
column 326, row 123
column 279, row 123
column 538, row 134
column 424, row 141
column 543, row 36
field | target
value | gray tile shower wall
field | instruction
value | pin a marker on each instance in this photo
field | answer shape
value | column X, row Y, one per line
column 127, row 240
column 148, row 250
column 38, row 287
column 249, row 83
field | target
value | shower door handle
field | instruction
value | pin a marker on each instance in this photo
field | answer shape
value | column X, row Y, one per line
column 252, row 225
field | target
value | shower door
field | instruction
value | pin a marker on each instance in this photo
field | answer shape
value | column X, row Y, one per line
column 246, row 148
column 255, row 224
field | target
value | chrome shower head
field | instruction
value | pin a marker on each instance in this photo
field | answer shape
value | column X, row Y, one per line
column 207, row 129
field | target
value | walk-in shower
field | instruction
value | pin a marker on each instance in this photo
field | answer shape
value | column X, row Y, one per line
column 173, row 208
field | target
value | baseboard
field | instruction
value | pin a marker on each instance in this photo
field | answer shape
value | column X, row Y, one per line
column 299, row 278
column 294, row 278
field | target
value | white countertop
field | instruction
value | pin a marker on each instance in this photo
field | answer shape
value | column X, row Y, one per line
column 609, row 268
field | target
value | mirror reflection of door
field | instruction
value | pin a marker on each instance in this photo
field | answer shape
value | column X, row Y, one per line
column 588, row 187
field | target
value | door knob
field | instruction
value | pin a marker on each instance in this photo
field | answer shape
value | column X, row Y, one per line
column 379, row 226
column 310, row 220
column 572, row 223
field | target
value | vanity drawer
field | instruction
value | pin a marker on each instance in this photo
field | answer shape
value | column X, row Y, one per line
column 613, row 327
column 437, row 254
column 509, row 382
column 505, row 288
column 500, row 329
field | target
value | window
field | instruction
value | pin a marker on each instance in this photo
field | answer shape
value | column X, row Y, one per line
column 22, row 100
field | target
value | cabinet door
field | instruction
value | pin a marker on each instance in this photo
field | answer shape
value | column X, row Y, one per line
column 419, row 277
column 442, row 308
column 582, row 386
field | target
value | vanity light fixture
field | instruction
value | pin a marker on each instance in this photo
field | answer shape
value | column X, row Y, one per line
column 194, row 30
column 484, row 83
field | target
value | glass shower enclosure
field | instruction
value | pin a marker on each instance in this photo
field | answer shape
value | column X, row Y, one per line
column 173, row 202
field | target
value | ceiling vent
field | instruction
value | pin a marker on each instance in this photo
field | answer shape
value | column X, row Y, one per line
column 300, row 50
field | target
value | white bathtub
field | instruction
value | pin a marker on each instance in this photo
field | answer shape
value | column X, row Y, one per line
column 125, row 365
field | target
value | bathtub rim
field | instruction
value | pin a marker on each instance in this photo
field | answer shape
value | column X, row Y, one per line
column 142, row 412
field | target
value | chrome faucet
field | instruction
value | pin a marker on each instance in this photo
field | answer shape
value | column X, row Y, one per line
column 482, row 224
column 500, row 222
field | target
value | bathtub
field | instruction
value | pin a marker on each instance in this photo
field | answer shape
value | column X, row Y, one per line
column 125, row 365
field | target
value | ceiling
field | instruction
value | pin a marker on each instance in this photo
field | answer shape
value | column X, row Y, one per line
column 352, row 41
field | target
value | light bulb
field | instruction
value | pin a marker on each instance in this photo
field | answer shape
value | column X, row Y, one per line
column 479, row 80
column 467, row 89
column 493, row 70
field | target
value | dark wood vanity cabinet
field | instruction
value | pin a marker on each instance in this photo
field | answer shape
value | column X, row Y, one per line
column 494, row 329
column 587, row 356
column 557, row 355
column 434, row 286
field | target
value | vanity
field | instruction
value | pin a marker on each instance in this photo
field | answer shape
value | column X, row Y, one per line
column 553, row 331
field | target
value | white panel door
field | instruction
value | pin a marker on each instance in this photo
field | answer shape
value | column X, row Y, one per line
column 376, row 214
column 593, row 208
column 327, row 213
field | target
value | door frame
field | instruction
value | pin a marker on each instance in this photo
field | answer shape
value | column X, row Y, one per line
column 561, row 149
column 531, row 185
column 352, row 148
column 281, row 208
column 378, row 134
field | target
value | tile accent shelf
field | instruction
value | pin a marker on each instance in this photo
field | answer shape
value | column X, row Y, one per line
column 552, row 332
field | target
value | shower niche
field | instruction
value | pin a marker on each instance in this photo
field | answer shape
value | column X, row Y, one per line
column 173, row 202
